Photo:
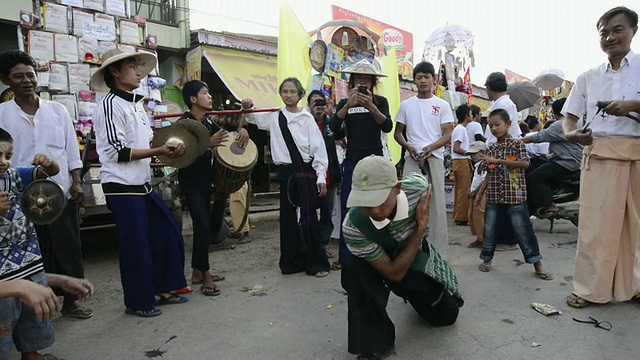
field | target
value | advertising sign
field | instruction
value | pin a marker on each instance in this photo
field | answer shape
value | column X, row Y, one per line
column 390, row 36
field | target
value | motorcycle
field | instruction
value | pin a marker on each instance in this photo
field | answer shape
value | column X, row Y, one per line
column 565, row 191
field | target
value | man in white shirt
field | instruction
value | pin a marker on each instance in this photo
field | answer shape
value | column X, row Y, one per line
column 496, row 85
column 607, row 267
column 44, row 127
column 427, row 120
column 462, row 168
column 474, row 128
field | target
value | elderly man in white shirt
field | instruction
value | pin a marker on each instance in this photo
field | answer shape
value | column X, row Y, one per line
column 39, row 126
column 607, row 267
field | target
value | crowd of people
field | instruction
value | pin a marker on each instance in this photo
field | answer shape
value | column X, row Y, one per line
column 394, row 235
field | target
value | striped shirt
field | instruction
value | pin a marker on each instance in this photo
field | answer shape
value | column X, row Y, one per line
column 19, row 249
column 369, row 239
column 121, row 124
column 506, row 185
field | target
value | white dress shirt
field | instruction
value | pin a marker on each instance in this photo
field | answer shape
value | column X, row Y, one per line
column 604, row 84
column 504, row 102
column 305, row 133
column 51, row 133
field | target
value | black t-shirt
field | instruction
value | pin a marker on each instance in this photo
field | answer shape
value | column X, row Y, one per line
column 363, row 133
column 199, row 173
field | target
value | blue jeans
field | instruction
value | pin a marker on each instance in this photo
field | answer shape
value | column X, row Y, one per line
column 499, row 216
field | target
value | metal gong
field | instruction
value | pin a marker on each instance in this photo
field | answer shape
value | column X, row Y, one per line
column 43, row 201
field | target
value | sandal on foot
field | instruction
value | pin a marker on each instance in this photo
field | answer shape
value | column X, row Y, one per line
column 50, row 357
column 245, row 239
column 475, row 244
column 214, row 278
column 544, row 275
column 78, row 313
column 321, row 274
column 577, row 302
column 336, row 266
column 484, row 267
column 144, row 313
column 170, row 299
column 546, row 214
column 210, row 290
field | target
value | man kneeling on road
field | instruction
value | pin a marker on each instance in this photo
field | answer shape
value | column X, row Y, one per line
column 386, row 232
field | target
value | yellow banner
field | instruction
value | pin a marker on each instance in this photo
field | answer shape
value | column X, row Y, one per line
column 247, row 75
column 193, row 67
column 293, row 49
column 390, row 89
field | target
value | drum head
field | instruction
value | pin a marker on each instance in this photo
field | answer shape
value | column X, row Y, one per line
column 43, row 201
column 232, row 155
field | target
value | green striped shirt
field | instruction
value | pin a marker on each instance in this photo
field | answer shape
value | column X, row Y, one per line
column 367, row 242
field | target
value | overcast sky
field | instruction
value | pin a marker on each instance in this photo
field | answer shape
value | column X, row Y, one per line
column 526, row 37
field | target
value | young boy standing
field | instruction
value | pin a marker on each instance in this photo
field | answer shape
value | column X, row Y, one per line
column 506, row 188
column 476, row 212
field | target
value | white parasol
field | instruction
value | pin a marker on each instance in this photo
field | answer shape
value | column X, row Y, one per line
column 450, row 36
column 549, row 79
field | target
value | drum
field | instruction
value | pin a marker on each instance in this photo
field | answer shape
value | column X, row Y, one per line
column 233, row 164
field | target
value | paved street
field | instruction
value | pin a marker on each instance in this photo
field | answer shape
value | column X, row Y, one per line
column 262, row 314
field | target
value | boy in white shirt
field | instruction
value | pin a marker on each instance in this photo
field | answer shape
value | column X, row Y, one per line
column 462, row 168
column 476, row 213
column 427, row 120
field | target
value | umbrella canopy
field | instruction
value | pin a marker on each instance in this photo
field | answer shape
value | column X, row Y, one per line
column 327, row 29
column 524, row 94
column 443, row 36
column 548, row 80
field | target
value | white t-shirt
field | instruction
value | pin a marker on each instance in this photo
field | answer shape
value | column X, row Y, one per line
column 473, row 128
column 460, row 134
column 537, row 149
column 477, row 178
column 423, row 119
column 504, row 102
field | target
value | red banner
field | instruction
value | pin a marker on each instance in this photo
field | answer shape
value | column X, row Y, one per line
column 389, row 36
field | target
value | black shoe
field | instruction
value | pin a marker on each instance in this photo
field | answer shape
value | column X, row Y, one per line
column 377, row 355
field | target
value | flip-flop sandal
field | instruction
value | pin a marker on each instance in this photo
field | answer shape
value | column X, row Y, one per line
column 50, row 357
column 244, row 239
column 336, row 266
column 166, row 300
column 475, row 244
column 484, row 267
column 377, row 356
column 79, row 313
column 214, row 278
column 321, row 274
column 210, row 290
column 577, row 302
column 544, row 275
column 144, row 314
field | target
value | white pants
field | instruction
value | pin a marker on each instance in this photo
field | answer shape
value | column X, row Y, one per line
column 438, row 232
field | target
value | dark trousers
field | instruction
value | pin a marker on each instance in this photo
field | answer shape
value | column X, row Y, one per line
column 370, row 330
column 217, row 217
column 300, row 242
column 326, row 214
column 151, row 248
column 539, row 184
column 198, row 201
column 347, row 174
column 60, row 244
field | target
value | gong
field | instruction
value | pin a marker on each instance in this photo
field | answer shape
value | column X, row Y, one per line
column 43, row 201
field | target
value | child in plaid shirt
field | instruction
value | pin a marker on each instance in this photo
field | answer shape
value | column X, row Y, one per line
column 506, row 194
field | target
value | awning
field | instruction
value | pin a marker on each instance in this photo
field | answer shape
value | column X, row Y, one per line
column 247, row 75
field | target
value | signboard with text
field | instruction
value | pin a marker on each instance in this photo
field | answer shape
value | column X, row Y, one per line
column 390, row 36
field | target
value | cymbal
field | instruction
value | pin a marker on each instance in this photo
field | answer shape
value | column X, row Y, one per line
column 174, row 134
column 198, row 130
